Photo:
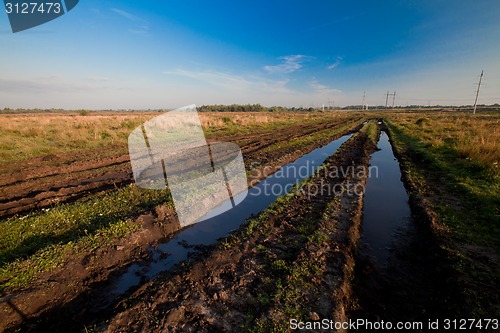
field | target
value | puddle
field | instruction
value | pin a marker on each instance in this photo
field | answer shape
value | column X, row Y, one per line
column 259, row 197
column 386, row 211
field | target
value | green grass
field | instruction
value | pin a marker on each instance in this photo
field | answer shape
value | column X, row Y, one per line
column 292, row 279
column 462, row 192
column 372, row 130
column 468, row 185
column 37, row 242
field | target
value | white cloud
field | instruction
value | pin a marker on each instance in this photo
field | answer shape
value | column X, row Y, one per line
column 289, row 64
column 180, row 87
column 256, row 89
column 335, row 64
column 125, row 14
column 322, row 89
column 233, row 82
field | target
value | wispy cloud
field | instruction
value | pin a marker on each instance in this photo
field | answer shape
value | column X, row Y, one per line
column 233, row 82
column 46, row 85
column 125, row 14
column 322, row 89
column 335, row 64
column 289, row 64
column 141, row 26
column 254, row 87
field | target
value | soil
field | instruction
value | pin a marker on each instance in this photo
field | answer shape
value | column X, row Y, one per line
column 74, row 289
column 236, row 284
column 219, row 290
column 220, row 293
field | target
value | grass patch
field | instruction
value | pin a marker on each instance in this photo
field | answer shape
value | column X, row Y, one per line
column 37, row 242
column 462, row 185
column 467, row 183
column 294, row 278
column 372, row 131
column 31, row 135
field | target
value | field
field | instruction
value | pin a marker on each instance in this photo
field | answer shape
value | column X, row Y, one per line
column 73, row 222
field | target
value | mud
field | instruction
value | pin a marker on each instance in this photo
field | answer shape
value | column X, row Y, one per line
column 223, row 291
column 73, row 293
column 248, row 281
column 44, row 181
column 258, row 199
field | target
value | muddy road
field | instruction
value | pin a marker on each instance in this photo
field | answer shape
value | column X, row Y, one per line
column 301, row 258
column 297, row 258
column 401, row 274
column 86, row 273
column 254, row 275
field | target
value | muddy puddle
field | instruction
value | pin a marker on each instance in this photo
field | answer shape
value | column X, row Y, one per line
column 386, row 212
column 188, row 241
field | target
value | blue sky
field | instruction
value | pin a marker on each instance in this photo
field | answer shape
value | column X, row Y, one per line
column 166, row 54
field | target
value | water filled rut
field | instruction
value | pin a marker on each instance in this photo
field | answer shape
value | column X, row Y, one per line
column 385, row 209
column 259, row 197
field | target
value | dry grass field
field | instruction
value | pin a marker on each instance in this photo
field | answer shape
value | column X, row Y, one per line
column 29, row 135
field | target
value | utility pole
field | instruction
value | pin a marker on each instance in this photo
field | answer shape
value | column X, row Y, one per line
column 331, row 104
column 363, row 104
column 387, row 98
column 477, row 93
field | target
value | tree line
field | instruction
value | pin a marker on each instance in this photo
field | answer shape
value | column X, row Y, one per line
column 249, row 108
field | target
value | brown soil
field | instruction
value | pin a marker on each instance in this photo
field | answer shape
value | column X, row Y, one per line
column 73, row 291
column 238, row 285
column 221, row 292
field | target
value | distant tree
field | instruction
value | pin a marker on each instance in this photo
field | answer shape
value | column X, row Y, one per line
column 83, row 112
